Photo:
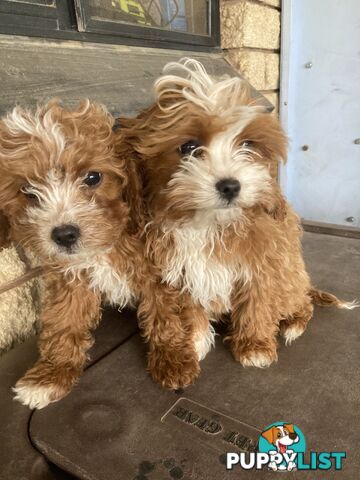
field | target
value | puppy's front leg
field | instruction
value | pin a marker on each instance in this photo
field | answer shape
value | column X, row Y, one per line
column 169, row 327
column 70, row 311
column 254, row 330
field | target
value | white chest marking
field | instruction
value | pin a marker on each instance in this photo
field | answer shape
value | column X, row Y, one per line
column 197, row 271
column 114, row 286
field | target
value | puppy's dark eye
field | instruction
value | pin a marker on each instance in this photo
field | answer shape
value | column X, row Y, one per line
column 188, row 147
column 92, row 178
column 279, row 435
column 246, row 143
column 26, row 190
column 30, row 196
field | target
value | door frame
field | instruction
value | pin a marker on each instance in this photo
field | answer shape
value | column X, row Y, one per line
column 287, row 12
column 286, row 39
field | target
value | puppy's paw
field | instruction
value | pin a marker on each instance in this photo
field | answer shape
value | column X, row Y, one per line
column 204, row 342
column 173, row 369
column 292, row 332
column 34, row 396
column 260, row 357
column 44, row 384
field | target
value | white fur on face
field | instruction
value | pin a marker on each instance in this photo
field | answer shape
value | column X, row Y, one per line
column 60, row 199
column 191, row 267
column 194, row 184
column 59, row 203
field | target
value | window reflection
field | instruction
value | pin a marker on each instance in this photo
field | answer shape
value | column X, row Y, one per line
column 187, row 16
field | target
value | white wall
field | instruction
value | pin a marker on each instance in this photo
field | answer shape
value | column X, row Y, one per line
column 323, row 108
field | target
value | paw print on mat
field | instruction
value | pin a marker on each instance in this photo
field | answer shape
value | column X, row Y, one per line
column 151, row 470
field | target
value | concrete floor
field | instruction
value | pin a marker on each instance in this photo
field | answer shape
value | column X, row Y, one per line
column 333, row 263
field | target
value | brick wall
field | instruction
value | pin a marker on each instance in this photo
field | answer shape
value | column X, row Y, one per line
column 250, row 37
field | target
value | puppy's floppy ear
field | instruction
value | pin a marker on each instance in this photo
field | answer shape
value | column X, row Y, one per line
column 133, row 195
column 278, row 208
column 275, row 204
column 132, row 129
column 269, row 139
column 274, row 139
column 5, row 238
column 270, row 435
column 133, row 184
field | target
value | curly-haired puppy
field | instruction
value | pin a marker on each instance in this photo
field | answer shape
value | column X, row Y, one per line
column 219, row 229
column 73, row 197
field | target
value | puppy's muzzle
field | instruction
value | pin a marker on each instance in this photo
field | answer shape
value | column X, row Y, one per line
column 65, row 235
column 229, row 188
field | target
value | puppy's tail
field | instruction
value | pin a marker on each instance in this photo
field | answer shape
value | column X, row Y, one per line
column 325, row 299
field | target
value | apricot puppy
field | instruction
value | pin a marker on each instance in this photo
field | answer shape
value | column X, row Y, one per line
column 72, row 195
column 219, row 229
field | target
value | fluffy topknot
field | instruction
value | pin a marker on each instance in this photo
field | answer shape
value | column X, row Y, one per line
column 187, row 81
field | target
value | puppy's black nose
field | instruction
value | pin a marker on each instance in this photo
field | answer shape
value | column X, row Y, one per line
column 293, row 435
column 228, row 188
column 65, row 235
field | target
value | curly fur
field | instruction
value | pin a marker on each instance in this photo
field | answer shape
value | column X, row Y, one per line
column 241, row 258
column 44, row 158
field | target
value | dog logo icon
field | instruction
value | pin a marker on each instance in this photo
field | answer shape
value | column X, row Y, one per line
column 283, row 441
column 281, row 448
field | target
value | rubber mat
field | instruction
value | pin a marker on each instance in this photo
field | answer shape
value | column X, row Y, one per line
column 18, row 459
column 117, row 424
